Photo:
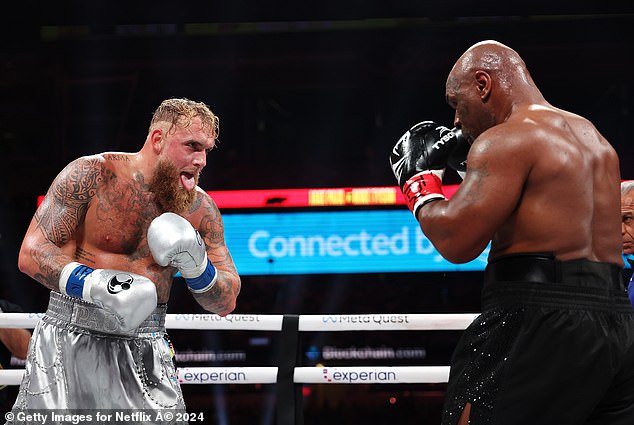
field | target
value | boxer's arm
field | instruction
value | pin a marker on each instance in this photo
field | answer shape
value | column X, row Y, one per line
column 462, row 227
column 222, row 297
column 15, row 339
column 195, row 246
column 44, row 251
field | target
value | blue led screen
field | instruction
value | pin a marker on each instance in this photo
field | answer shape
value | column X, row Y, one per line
column 318, row 242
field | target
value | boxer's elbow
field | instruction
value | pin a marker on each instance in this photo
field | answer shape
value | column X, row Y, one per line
column 22, row 263
column 456, row 239
column 231, row 300
column 456, row 256
column 25, row 258
column 223, row 309
column 459, row 252
column 222, row 298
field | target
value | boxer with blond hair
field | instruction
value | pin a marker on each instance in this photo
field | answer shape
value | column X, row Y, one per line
column 107, row 240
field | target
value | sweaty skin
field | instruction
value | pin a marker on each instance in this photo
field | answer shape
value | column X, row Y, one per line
column 98, row 209
column 539, row 179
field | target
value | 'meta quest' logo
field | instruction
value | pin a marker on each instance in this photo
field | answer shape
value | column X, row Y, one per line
column 119, row 282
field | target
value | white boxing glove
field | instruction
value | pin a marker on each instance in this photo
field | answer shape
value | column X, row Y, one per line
column 129, row 296
column 174, row 241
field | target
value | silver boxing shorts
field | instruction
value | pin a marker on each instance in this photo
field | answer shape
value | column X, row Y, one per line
column 75, row 362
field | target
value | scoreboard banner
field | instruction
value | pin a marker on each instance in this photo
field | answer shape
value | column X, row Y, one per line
column 314, row 197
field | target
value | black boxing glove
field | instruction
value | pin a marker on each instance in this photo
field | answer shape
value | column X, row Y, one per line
column 418, row 161
column 458, row 158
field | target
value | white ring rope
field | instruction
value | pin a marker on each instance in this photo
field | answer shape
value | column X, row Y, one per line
column 385, row 322
column 302, row 375
column 11, row 376
column 244, row 322
column 371, row 375
column 307, row 323
column 227, row 375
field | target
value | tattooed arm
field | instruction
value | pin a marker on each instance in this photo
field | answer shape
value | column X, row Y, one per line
column 221, row 298
column 45, row 248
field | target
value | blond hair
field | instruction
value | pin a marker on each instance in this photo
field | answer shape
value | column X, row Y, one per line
column 181, row 111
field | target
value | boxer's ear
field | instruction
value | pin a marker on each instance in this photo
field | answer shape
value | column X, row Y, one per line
column 157, row 139
column 484, row 83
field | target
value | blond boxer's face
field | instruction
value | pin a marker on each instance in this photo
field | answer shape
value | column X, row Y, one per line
column 182, row 158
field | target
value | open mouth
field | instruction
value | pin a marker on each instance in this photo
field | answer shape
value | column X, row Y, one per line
column 188, row 180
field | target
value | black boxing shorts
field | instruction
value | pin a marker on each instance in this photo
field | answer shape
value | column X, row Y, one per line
column 554, row 345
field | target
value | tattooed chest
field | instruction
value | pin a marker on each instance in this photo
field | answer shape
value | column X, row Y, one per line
column 117, row 223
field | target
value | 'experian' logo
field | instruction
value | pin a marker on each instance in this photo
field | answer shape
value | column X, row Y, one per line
column 362, row 375
column 218, row 376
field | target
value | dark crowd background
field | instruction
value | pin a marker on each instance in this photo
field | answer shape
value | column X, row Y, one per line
column 309, row 95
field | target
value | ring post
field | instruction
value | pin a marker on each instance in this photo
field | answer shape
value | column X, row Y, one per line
column 289, row 395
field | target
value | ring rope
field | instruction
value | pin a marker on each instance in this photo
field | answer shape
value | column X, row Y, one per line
column 385, row 322
column 307, row 323
column 371, row 375
column 301, row 375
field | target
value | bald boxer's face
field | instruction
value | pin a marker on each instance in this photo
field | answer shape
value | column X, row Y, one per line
column 472, row 113
column 627, row 222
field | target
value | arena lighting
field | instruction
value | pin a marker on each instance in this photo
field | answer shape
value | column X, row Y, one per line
column 310, row 197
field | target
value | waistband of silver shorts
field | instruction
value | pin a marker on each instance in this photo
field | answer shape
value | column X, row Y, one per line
column 91, row 317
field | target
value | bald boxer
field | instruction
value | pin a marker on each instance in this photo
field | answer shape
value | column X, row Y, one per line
column 107, row 240
column 555, row 341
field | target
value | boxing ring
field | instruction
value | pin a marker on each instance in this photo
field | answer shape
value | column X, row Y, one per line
column 288, row 375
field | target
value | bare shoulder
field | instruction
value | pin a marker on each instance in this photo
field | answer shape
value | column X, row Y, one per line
column 86, row 163
column 504, row 144
column 203, row 205
column 587, row 133
column 80, row 178
column 68, row 197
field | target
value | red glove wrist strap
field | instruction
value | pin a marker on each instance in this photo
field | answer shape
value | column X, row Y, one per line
column 421, row 189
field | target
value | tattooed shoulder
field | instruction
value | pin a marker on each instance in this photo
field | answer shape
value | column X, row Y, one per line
column 66, row 202
column 81, row 179
column 198, row 202
column 211, row 225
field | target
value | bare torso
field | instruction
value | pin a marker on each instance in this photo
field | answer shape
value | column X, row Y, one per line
column 113, row 232
column 99, row 207
column 569, row 203
column 543, row 180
